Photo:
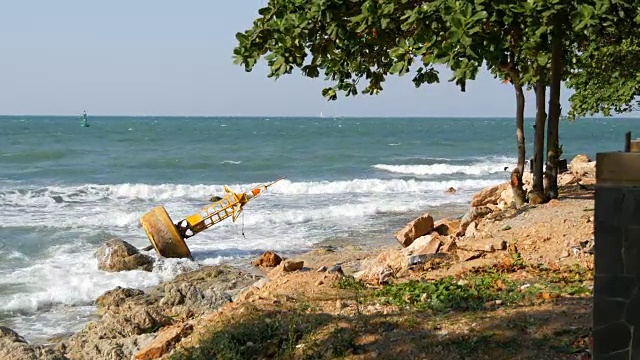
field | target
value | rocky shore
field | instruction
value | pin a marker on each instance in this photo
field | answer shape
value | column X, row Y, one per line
column 176, row 317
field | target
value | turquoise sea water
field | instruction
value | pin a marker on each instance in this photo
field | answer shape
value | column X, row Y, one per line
column 64, row 189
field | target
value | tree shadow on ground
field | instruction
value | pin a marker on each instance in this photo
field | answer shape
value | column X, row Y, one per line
column 558, row 329
column 580, row 192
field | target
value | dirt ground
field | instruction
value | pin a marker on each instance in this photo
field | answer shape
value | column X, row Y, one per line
column 531, row 300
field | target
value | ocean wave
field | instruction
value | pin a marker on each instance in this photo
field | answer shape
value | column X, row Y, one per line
column 370, row 186
column 92, row 193
column 480, row 168
column 68, row 279
column 112, row 216
column 231, row 162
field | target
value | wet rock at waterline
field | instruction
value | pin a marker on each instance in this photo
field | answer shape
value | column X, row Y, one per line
column 133, row 321
column 118, row 255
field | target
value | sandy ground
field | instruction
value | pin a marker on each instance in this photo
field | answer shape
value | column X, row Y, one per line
column 353, row 323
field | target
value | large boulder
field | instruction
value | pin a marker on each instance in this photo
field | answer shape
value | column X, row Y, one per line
column 116, row 297
column 582, row 166
column 419, row 243
column 118, row 255
column 490, row 195
column 386, row 263
column 268, row 259
column 14, row 346
column 506, row 197
column 203, row 290
column 132, row 322
column 431, row 247
column 567, row 178
column 415, row 229
column 474, row 213
column 446, row 227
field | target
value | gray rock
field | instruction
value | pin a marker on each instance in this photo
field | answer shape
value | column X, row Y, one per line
column 118, row 255
column 116, row 297
column 337, row 269
column 418, row 259
column 14, row 346
column 129, row 317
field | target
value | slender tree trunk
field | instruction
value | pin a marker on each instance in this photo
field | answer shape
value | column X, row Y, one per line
column 536, row 195
column 551, row 174
column 519, row 194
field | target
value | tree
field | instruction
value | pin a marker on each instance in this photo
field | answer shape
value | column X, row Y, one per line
column 358, row 43
column 606, row 78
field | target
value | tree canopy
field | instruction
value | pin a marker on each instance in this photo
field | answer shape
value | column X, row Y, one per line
column 606, row 77
column 356, row 44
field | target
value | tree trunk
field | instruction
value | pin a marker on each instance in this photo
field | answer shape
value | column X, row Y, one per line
column 536, row 195
column 551, row 173
column 519, row 195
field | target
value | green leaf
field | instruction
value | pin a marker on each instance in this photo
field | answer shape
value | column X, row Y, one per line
column 358, row 18
column 397, row 68
column 479, row 16
column 242, row 38
column 457, row 22
column 398, row 52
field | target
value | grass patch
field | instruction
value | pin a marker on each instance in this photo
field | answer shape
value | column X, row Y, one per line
column 351, row 283
column 483, row 286
column 274, row 336
column 304, row 331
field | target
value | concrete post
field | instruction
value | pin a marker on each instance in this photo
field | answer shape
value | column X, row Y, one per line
column 616, row 296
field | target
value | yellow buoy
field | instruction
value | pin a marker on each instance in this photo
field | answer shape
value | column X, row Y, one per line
column 169, row 239
column 163, row 234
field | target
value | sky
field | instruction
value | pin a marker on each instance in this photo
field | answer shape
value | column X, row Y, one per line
column 161, row 57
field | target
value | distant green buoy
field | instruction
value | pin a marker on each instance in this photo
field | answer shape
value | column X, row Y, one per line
column 84, row 122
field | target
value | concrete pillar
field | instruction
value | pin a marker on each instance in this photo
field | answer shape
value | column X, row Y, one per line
column 616, row 297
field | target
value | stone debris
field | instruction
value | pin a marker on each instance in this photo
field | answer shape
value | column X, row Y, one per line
column 166, row 338
column 290, row 265
column 421, row 226
column 268, row 259
column 336, row 269
column 14, row 346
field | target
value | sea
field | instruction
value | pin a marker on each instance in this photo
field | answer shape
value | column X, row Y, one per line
column 66, row 189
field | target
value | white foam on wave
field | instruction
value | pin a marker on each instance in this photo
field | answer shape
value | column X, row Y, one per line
column 233, row 162
column 298, row 215
column 91, row 193
column 370, row 186
column 68, row 277
column 481, row 168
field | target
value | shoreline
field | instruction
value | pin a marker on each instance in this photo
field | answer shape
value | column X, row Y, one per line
column 350, row 257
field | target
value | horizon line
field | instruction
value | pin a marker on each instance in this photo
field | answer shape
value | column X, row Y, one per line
column 318, row 117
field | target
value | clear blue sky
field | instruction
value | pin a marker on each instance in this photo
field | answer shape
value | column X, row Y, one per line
column 161, row 57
